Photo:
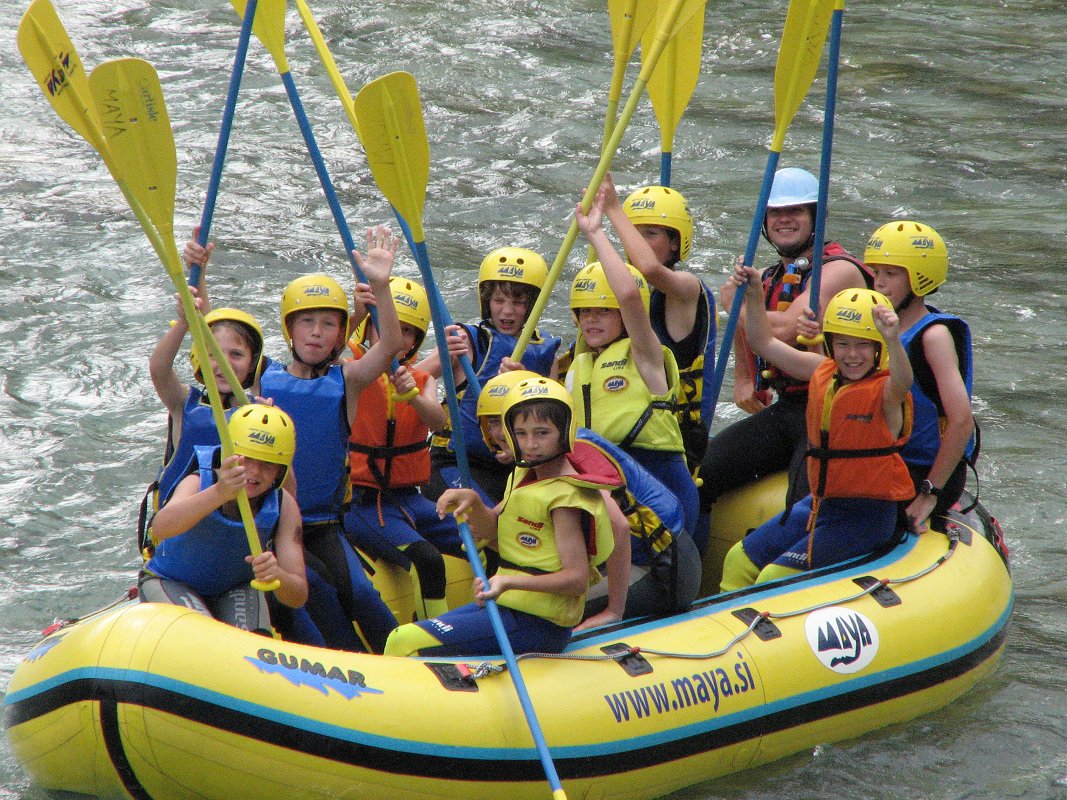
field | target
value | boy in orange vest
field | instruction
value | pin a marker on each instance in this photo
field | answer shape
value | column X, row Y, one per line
column 859, row 416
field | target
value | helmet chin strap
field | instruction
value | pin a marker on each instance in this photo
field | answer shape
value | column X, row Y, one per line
column 318, row 369
column 526, row 463
column 907, row 301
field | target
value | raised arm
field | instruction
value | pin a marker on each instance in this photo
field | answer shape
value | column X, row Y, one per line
column 645, row 345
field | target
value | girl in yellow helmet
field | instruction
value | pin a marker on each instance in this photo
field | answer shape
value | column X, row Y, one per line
column 656, row 230
column 624, row 380
column 202, row 559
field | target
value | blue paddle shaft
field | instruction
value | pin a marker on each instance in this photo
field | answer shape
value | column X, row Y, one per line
column 327, row 187
column 827, row 153
column 739, row 296
column 665, row 168
column 224, row 134
column 438, row 316
column 418, row 250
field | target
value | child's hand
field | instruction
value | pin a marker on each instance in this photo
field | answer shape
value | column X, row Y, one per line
column 807, row 326
column 198, row 302
column 265, row 567
column 231, row 477
column 508, row 364
column 193, row 253
column 589, row 223
column 364, row 299
column 611, row 196
column 887, row 322
column 456, row 502
column 403, row 381
column 381, row 250
column 494, row 590
column 458, row 343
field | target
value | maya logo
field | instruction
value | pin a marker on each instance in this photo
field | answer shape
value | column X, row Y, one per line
column 615, row 384
column 317, row 291
column 645, row 204
column 497, row 391
column 511, row 271
column 849, row 315
column 843, row 640
column 261, row 437
column 922, row 243
column 529, row 540
column 406, row 300
column 537, row 390
column 585, row 285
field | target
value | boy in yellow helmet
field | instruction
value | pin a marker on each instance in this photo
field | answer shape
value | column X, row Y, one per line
column 859, row 413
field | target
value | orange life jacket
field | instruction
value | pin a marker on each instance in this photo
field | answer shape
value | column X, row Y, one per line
column 851, row 451
column 389, row 445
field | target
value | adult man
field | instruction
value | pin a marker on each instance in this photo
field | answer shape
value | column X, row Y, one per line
column 774, row 437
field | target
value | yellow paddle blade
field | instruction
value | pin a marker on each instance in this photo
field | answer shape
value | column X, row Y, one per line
column 131, row 108
column 675, row 78
column 806, row 24
column 269, row 27
column 671, row 17
column 390, row 126
column 629, row 19
column 48, row 52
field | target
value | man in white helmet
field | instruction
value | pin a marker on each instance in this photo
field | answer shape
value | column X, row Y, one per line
column 774, row 437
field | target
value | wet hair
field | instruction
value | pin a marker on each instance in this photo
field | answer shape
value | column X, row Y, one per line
column 511, row 289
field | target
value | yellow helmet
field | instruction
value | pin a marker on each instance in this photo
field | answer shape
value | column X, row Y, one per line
column 514, row 264
column 658, row 205
column 591, row 289
column 265, row 433
column 914, row 247
column 310, row 292
column 850, row 312
column 491, row 399
column 412, row 307
column 252, row 330
column 536, row 390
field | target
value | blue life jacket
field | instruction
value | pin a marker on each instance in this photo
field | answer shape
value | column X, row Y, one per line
column 209, row 558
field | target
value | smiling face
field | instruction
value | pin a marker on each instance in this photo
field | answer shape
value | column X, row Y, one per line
column 600, row 326
column 790, row 227
column 855, row 357
column 316, row 334
column 260, row 476
column 237, row 351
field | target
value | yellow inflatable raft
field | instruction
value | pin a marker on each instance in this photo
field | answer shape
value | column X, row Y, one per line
column 157, row 701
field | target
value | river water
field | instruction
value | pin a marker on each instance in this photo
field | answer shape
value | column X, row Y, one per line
column 951, row 113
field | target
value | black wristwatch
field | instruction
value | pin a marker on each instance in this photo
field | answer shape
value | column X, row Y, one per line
column 927, row 488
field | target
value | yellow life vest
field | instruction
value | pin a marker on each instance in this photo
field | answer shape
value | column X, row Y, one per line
column 611, row 398
column 526, row 538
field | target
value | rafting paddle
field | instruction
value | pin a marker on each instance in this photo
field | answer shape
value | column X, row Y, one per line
column 629, row 19
column 673, row 82
column 224, row 134
column 269, row 28
column 113, row 110
column 677, row 15
column 822, row 209
column 420, row 160
column 801, row 48
column 393, row 132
